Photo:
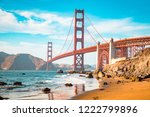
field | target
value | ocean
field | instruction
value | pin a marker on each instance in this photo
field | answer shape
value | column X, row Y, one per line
column 34, row 81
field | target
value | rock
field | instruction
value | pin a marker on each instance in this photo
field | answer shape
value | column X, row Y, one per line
column 136, row 79
column 18, row 83
column 2, row 98
column 105, row 83
column 118, row 82
column 98, row 74
column 101, row 74
column 147, row 76
column 46, row 90
column 108, row 76
column 82, row 76
column 120, row 73
column 68, row 85
column 23, row 74
column 90, row 75
column 95, row 74
column 60, row 71
column 3, row 83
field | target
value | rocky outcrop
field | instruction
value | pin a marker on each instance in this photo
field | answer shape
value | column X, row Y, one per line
column 135, row 68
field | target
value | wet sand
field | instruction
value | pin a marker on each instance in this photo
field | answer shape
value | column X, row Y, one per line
column 42, row 96
column 126, row 90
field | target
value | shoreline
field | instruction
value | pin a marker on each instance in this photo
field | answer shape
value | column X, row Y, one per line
column 124, row 90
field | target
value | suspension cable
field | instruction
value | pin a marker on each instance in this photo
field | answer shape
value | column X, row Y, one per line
column 91, row 35
column 70, row 44
column 67, row 35
column 95, row 28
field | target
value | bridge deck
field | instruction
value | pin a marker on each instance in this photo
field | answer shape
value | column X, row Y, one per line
column 127, row 42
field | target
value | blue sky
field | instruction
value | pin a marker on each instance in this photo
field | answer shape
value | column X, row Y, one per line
column 27, row 25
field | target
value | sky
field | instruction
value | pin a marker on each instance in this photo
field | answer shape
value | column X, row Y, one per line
column 27, row 25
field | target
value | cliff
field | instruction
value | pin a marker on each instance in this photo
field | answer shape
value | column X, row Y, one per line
column 135, row 68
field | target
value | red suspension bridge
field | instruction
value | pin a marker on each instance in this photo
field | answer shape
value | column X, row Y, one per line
column 106, row 52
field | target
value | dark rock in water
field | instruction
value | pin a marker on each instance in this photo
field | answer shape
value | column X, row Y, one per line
column 105, row 83
column 46, row 90
column 71, row 72
column 60, row 71
column 90, row 75
column 3, row 83
column 81, row 75
column 23, row 74
column 2, row 98
column 68, row 85
column 18, row 83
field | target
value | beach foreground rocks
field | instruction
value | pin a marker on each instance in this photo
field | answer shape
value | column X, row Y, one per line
column 135, row 69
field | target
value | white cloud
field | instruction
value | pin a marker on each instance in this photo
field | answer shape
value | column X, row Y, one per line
column 38, row 50
column 125, row 27
column 52, row 23
column 57, row 26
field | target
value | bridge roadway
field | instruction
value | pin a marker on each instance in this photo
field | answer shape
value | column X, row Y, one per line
column 127, row 42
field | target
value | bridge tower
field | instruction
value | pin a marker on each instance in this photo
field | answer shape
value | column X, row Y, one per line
column 49, row 54
column 79, row 40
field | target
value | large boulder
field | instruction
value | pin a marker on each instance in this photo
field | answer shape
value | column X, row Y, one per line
column 68, row 84
column 90, row 75
column 60, row 71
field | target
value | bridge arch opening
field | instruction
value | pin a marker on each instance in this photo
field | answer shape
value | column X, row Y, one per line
column 104, row 58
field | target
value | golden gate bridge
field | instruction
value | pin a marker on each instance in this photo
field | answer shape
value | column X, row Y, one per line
column 106, row 52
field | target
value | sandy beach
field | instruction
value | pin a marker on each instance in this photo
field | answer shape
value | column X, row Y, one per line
column 124, row 90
